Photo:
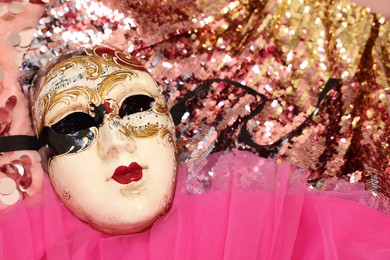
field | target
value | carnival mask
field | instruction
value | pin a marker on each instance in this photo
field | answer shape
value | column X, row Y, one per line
column 110, row 136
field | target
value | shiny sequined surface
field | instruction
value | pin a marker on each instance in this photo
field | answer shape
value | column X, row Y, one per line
column 286, row 50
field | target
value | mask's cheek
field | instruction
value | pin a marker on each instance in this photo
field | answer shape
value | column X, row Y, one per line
column 161, row 172
column 78, row 179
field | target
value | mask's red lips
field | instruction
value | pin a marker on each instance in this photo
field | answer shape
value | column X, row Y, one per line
column 128, row 174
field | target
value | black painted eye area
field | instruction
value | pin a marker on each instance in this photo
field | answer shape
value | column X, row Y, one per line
column 135, row 104
column 73, row 123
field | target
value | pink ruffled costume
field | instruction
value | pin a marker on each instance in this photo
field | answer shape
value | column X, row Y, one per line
column 254, row 209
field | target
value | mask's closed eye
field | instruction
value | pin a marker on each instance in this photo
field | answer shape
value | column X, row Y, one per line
column 135, row 104
column 73, row 123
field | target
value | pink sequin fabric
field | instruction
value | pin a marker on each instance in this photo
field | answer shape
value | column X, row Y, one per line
column 286, row 50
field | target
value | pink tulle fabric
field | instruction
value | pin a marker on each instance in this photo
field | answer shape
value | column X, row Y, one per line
column 255, row 209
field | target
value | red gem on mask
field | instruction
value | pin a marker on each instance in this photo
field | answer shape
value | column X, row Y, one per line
column 108, row 105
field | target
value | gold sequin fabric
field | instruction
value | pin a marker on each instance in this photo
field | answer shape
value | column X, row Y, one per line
column 285, row 49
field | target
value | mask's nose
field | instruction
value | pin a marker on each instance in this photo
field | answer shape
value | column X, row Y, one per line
column 112, row 141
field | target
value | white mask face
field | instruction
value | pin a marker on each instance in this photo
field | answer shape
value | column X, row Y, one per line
column 111, row 136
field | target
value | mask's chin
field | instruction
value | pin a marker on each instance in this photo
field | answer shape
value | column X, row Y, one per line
column 122, row 228
column 114, row 225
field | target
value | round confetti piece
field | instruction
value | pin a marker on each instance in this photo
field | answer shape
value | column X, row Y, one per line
column 26, row 36
column 39, row 1
column 16, row 7
column 13, row 39
column 7, row 186
column 11, row 198
column 4, row 12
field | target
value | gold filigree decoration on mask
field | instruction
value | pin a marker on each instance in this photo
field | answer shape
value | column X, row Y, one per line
column 163, row 134
column 166, row 138
column 160, row 106
column 92, row 64
column 66, row 96
column 115, row 77
column 65, row 193
column 141, row 132
column 120, row 77
column 129, row 129
column 58, row 69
